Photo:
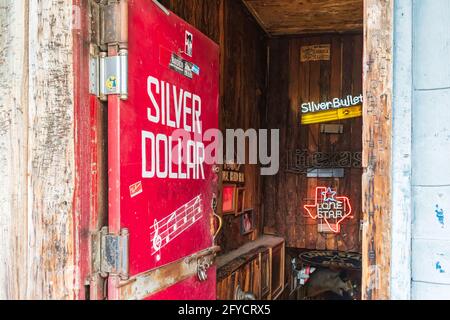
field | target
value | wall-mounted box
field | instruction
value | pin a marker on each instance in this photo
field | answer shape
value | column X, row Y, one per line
column 326, row 173
column 332, row 128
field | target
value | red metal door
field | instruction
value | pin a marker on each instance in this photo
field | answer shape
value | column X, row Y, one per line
column 165, row 205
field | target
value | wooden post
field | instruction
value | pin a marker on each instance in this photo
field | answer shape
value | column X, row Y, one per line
column 38, row 220
column 376, row 186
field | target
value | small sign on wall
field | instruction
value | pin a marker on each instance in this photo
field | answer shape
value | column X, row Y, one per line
column 247, row 222
column 233, row 173
column 333, row 110
column 229, row 199
column 319, row 52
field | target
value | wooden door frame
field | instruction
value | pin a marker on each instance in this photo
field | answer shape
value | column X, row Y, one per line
column 377, row 144
column 91, row 198
column 377, row 149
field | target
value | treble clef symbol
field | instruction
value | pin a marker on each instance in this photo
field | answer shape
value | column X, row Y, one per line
column 157, row 241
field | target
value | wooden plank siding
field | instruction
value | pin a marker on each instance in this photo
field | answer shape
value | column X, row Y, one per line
column 204, row 15
column 245, row 273
column 294, row 17
column 37, row 153
column 242, row 103
column 291, row 83
column 52, row 152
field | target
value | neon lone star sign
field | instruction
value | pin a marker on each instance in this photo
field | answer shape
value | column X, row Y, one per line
column 330, row 208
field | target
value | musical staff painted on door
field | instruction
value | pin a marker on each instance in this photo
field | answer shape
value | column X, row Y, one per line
column 168, row 229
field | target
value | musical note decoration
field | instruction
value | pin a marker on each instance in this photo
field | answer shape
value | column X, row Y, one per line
column 169, row 228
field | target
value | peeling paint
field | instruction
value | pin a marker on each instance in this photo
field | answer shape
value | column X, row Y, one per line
column 37, row 243
column 439, row 267
column 440, row 215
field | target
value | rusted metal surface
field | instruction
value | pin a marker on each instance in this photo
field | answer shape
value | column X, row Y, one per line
column 114, row 23
column 377, row 147
column 149, row 283
column 110, row 253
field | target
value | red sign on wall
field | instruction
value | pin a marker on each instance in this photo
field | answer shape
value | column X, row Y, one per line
column 166, row 186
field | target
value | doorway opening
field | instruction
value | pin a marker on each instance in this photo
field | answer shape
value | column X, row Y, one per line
column 296, row 67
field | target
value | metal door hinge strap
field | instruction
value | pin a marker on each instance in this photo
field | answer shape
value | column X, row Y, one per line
column 114, row 23
column 109, row 28
column 108, row 23
column 110, row 253
column 153, row 281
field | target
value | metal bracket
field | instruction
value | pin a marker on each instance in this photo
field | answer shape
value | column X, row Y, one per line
column 156, row 280
column 110, row 253
column 114, row 23
column 241, row 295
column 108, row 23
column 109, row 75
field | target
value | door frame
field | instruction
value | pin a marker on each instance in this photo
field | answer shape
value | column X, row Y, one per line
column 377, row 144
column 377, row 181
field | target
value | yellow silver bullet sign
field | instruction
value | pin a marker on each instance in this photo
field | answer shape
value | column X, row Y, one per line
column 332, row 115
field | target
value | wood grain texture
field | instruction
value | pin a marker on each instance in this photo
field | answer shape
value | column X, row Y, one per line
column 37, row 255
column 291, row 83
column 377, row 147
column 284, row 17
column 202, row 14
column 251, row 265
column 242, row 103
column 244, row 272
column 91, row 168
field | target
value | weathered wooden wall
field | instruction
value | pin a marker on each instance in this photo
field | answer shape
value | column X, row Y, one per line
column 283, row 17
column 245, row 273
column 291, row 83
column 242, row 102
column 377, row 146
column 202, row 14
column 37, row 168
column 243, row 80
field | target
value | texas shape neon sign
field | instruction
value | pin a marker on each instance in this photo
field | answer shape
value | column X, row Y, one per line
column 329, row 208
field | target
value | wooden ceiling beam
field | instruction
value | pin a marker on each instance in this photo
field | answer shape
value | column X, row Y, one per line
column 289, row 17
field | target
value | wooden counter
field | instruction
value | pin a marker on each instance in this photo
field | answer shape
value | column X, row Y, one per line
column 257, row 267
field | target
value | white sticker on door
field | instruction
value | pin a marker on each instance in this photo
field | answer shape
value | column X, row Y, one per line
column 188, row 48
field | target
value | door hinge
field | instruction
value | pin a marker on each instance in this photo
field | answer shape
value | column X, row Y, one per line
column 109, row 23
column 110, row 253
column 109, row 75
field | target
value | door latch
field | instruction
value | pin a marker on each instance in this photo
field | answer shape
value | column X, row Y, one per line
column 202, row 269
